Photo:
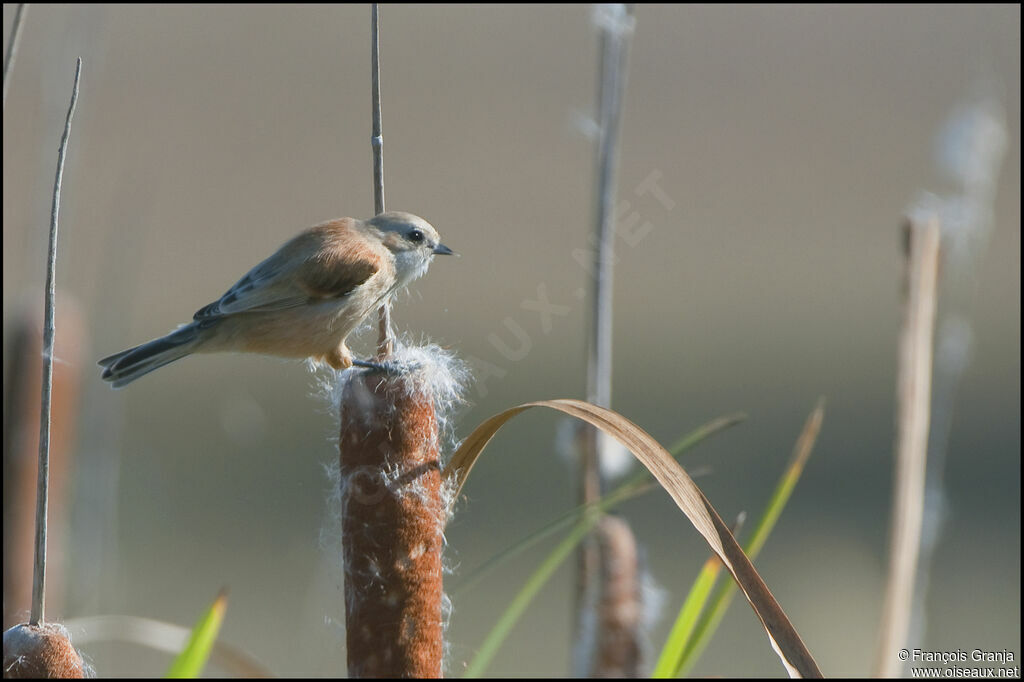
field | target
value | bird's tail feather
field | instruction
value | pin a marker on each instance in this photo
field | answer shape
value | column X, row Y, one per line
column 128, row 365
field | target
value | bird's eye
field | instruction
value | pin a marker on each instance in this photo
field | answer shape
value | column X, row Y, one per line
column 416, row 236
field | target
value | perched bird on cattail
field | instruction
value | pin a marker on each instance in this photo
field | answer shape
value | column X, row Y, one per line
column 304, row 300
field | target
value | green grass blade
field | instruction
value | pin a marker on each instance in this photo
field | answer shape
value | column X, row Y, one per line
column 586, row 516
column 637, row 484
column 709, row 622
column 686, row 621
column 533, row 585
column 192, row 659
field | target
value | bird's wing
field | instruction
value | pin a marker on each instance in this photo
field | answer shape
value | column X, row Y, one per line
column 260, row 289
column 287, row 280
column 336, row 273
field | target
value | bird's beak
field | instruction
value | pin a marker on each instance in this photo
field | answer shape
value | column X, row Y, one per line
column 442, row 250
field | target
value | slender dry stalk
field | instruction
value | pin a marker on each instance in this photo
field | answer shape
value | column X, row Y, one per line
column 12, row 45
column 912, row 421
column 39, row 649
column 614, row 38
column 385, row 340
column 972, row 147
column 392, row 507
column 39, row 563
column 377, row 140
column 393, row 516
column 615, row 26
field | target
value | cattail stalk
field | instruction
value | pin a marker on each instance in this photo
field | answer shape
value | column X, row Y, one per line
column 912, row 421
column 385, row 342
column 39, row 563
column 594, row 621
column 620, row 607
column 393, row 511
column 38, row 649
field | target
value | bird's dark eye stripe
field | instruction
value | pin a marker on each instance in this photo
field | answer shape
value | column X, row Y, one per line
column 416, row 236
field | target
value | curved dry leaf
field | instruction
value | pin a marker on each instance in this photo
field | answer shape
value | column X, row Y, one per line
column 784, row 638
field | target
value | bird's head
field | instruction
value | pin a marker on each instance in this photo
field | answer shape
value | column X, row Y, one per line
column 413, row 241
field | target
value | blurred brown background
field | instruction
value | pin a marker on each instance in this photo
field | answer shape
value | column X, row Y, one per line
column 789, row 141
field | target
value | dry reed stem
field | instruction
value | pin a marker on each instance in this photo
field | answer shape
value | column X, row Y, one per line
column 393, row 517
column 615, row 23
column 912, row 421
column 42, row 479
column 385, row 340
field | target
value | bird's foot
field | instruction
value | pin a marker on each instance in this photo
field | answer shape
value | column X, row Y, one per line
column 383, row 367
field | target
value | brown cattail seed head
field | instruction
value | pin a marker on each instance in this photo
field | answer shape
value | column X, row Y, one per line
column 392, row 528
column 40, row 651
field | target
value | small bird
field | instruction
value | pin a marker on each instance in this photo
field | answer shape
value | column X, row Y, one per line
column 304, row 300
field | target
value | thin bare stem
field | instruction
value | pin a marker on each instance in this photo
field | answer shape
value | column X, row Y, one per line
column 376, row 141
column 12, row 45
column 913, row 412
column 385, row 345
column 615, row 26
column 614, row 50
column 42, row 481
column 979, row 132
